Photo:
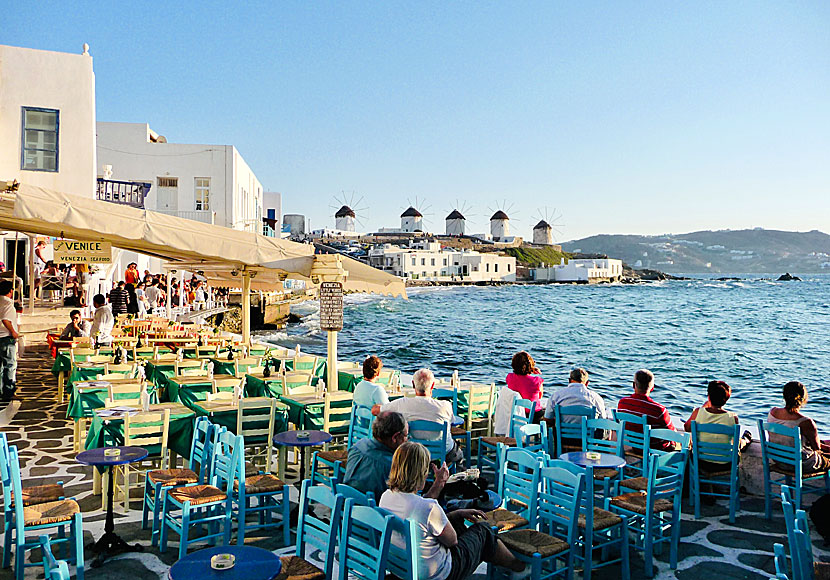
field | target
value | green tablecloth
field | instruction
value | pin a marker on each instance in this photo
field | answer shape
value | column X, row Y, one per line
column 187, row 393
column 83, row 374
column 63, row 363
column 223, row 366
column 256, row 386
column 179, row 438
column 347, row 381
column 306, row 411
column 157, row 373
column 228, row 418
column 83, row 404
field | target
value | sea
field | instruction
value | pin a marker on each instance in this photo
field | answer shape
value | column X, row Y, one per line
column 755, row 333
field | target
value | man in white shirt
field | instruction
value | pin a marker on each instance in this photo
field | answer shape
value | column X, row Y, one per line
column 423, row 407
column 152, row 294
column 102, row 322
column 577, row 393
column 8, row 341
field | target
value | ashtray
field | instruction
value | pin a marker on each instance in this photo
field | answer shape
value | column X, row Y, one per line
column 222, row 561
column 112, row 452
column 302, row 435
column 593, row 455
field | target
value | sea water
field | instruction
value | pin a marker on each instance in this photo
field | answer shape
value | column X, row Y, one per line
column 755, row 333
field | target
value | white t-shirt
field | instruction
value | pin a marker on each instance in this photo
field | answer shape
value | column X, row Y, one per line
column 102, row 324
column 369, row 394
column 435, row 562
column 152, row 293
column 423, row 409
column 7, row 312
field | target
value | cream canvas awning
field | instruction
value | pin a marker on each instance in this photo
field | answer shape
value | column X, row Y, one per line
column 216, row 250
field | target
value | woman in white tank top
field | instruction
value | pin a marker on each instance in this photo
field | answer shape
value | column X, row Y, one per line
column 815, row 455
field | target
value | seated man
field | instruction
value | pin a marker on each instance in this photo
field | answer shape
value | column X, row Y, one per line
column 423, row 407
column 577, row 393
column 640, row 403
column 367, row 393
column 370, row 459
column 102, row 322
column 76, row 327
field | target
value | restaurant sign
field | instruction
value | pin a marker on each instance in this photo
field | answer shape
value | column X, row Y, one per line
column 331, row 306
column 79, row 252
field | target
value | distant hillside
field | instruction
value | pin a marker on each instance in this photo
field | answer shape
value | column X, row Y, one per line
column 532, row 257
column 723, row 252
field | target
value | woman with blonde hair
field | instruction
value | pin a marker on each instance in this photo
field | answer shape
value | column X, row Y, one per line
column 448, row 549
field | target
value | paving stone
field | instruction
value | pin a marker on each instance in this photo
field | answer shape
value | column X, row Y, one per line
column 757, row 523
column 41, row 471
column 719, row 570
column 690, row 527
column 764, row 562
column 742, row 540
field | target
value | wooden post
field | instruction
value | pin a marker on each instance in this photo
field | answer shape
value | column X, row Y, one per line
column 246, row 307
column 332, row 380
column 31, row 274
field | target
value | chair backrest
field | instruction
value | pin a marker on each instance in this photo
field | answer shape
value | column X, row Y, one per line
column 385, row 378
column 572, row 429
column 431, row 434
column 53, row 569
column 205, row 436
column 337, row 412
column 360, row 424
column 404, row 549
column 559, row 503
column 788, row 507
column 81, row 354
column 722, row 448
column 209, row 351
column 144, row 352
column 780, row 444
column 636, row 431
column 182, row 366
column 587, row 504
column 443, row 394
column 224, row 385
column 255, row 370
column 780, row 562
column 297, row 383
column 665, row 478
column 348, row 492
column 481, row 403
column 255, row 420
column 5, row 469
column 150, row 431
column 166, row 357
column 124, row 393
column 681, row 440
column 126, row 369
column 315, row 532
column 228, row 460
column 802, row 549
column 593, row 432
column 521, row 413
column 518, row 481
column 305, row 362
column 241, row 365
column 359, row 558
column 12, row 486
column 533, row 437
column 102, row 359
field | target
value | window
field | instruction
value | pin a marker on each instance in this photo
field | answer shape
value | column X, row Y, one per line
column 496, row 267
column 423, row 261
column 168, row 182
column 413, row 261
column 487, row 266
column 39, row 151
column 202, row 193
column 508, row 267
column 433, row 262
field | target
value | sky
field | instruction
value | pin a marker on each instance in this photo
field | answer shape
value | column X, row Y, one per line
column 605, row 117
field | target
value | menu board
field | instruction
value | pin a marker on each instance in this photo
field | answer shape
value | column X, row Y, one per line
column 331, row 306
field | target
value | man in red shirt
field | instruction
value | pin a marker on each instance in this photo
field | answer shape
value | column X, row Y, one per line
column 639, row 403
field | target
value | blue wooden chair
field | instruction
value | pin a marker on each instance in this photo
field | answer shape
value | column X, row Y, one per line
column 569, row 434
column 404, row 554
column 360, row 425
column 348, row 492
column 599, row 530
column 723, row 457
column 518, row 485
column 436, row 442
column 636, row 439
column 315, row 533
column 488, row 454
column 781, row 455
column 655, row 515
column 38, row 517
column 593, row 433
column 533, row 438
column 205, row 504
column 205, row 436
column 359, row 557
column 53, row 569
column 780, row 562
column 459, row 434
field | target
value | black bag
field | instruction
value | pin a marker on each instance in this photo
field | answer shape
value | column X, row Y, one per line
column 820, row 514
column 466, row 495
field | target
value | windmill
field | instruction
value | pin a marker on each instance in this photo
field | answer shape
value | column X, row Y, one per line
column 500, row 222
column 548, row 230
column 456, row 220
column 412, row 219
column 348, row 210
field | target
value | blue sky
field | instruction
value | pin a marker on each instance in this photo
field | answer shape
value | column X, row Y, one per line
column 625, row 117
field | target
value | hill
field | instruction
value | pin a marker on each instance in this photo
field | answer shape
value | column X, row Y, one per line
column 533, row 257
column 724, row 251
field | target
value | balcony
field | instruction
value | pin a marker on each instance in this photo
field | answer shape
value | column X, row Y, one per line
column 130, row 193
column 205, row 216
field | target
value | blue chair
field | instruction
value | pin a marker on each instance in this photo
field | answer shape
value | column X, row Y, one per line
column 437, row 444
column 348, row 492
column 636, row 439
column 655, row 515
column 459, row 434
column 715, row 463
column 780, row 562
column 326, row 469
column 517, row 485
column 488, row 454
column 572, row 430
column 533, row 438
column 403, row 555
column 593, row 433
column 205, row 436
column 40, row 516
column 781, row 454
column 359, row 557
column 53, row 569
column 680, row 439
column 205, row 504
column 360, row 425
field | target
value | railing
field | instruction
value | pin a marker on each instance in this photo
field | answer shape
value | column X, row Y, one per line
column 205, row 216
column 130, row 193
column 268, row 231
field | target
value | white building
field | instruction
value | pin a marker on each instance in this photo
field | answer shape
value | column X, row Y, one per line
column 344, row 219
column 412, row 221
column 272, row 212
column 205, row 183
column 582, row 270
column 500, row 226
column 47, row 128
column 455, row 223
column 427, row 261
column 543, row 234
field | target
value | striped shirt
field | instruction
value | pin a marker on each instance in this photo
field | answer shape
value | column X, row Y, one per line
column 656, row 414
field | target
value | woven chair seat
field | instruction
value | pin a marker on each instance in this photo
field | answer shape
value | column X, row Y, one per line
column 602, row 473
column 602, row 519
column 197, row 494
column 51, row 512
column 295, row 568
column 40, row 494
column 788, row 470
column 529, row 542
column 509, row 441
column 458, row 432
column 340, row 455
column 635, row 483
column 821, row 570
column 636, row 502
column 504, row 519
column 168, row 477
column 261, row 483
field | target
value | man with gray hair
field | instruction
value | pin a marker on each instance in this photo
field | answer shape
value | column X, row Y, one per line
column 577, row 393
column 423, row 407
column 370, row 459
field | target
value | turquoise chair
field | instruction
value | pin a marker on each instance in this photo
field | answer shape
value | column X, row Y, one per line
column 593, row 431
column 360, row 425
column 404, row 554
column 324, row 470
column 360, row 498
column 723, row 455
column 41, row 516
column 599, row 530
column 570, row 430
column 488, row 454
column 459, row 434
column 780, row 562
column 655, row 515
column 437, row 445
column 205, row 504
column 267, row 490
column 784, row 459
column 533, row 438
column 518, row 485
column 205, row 437
column 636, row 439
column 315, row 533
column 358, row 557
column 52, row 569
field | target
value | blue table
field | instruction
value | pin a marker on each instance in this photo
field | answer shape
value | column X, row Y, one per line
column 111, row 543
column 605, row 461
column 290, row 439
column 251, row 564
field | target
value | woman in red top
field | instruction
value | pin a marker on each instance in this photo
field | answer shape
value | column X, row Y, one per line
column 526, row 381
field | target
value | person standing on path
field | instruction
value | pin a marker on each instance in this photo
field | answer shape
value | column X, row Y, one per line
column 8, row 341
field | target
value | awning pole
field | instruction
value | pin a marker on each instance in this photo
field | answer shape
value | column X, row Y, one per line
column 169, row 290
column 333, row 381
column 246, row 307
column 31, row 274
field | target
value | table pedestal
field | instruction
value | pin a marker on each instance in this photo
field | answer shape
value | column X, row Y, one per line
column 111, row 544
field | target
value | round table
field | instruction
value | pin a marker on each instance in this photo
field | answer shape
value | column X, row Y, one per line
column 605, row 461
column 251, row 564
column 111, row 543
column 290, row 439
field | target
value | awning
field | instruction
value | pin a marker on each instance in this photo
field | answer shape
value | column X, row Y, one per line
column 216, row 250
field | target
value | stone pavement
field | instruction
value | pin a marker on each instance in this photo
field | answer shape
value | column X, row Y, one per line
column 709, row 548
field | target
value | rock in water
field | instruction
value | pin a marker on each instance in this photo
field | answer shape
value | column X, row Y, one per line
column 788, row 278
column 293, row 319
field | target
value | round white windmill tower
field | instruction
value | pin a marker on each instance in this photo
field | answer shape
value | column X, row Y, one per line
column 412, row 220
column 344, row 219
column 543, row 233
column 455, row 223
column 499, row 226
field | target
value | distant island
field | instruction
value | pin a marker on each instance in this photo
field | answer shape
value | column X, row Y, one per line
column 753, row 251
